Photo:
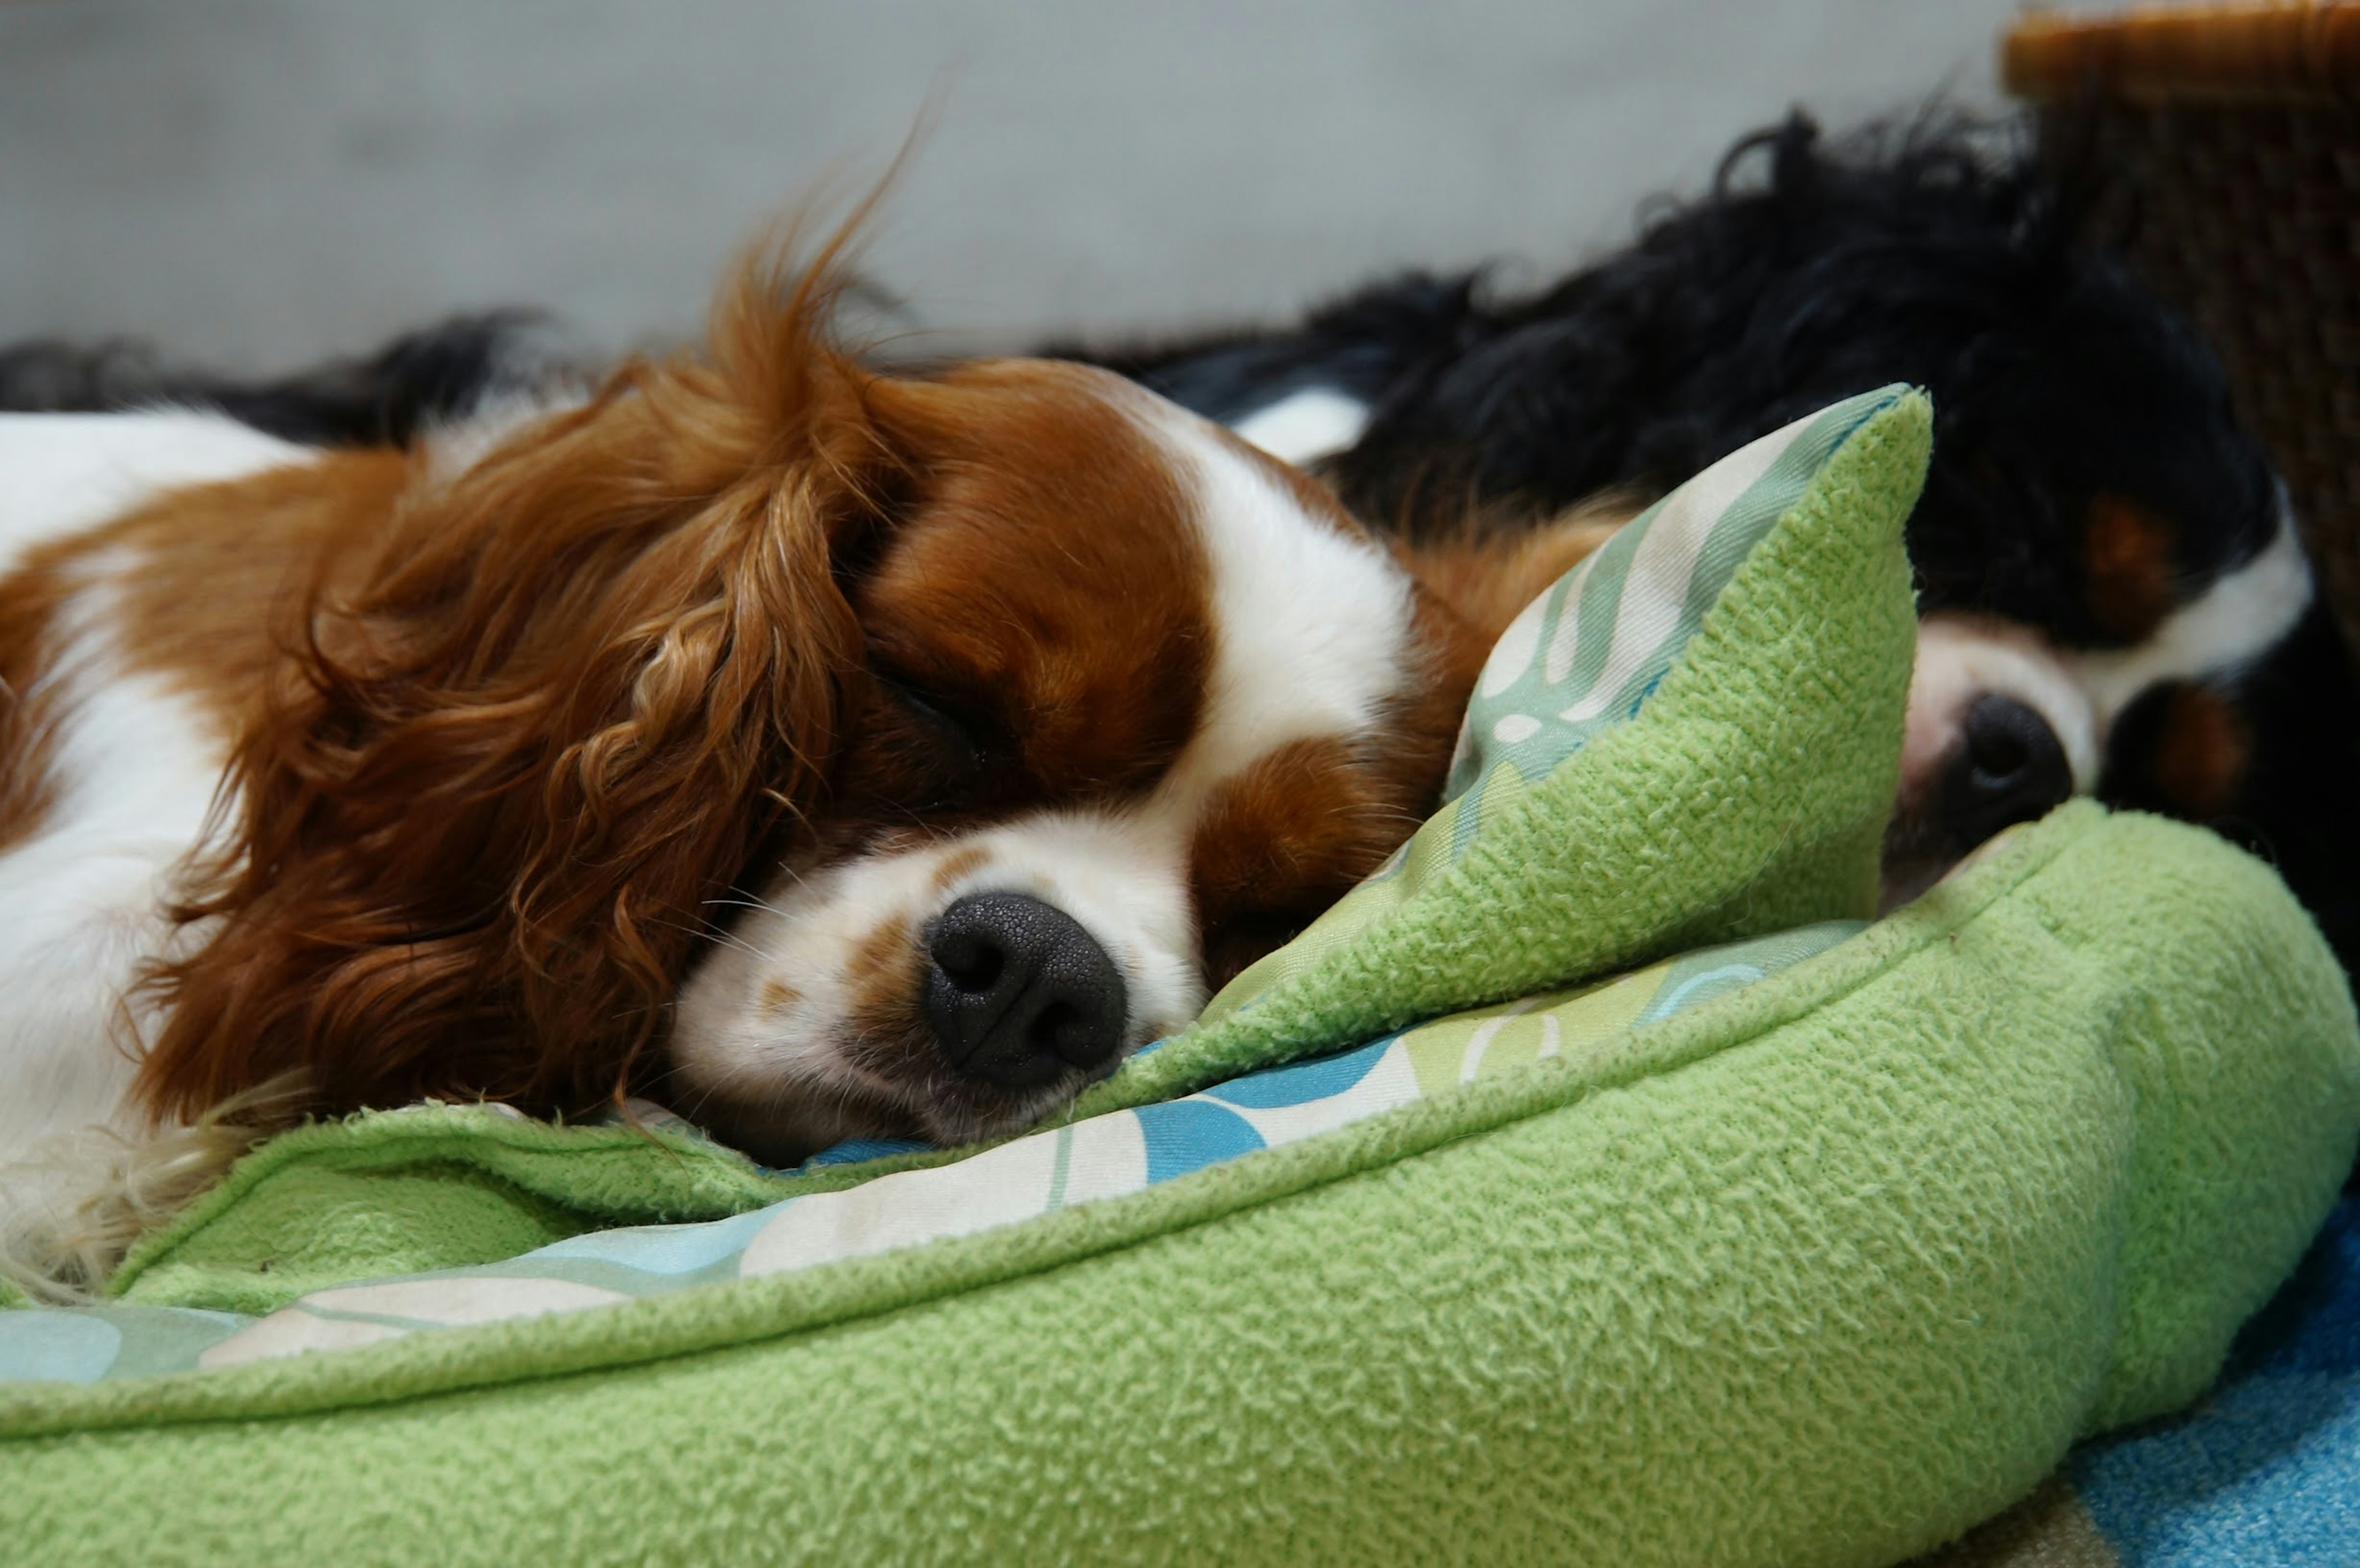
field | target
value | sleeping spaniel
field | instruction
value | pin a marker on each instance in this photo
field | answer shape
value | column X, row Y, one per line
column 841, row 752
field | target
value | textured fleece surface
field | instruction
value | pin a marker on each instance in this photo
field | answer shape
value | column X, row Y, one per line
column 1822, row 1271
column 427, row 1187
column 1734, row 668
column 215, row 1323
column 2266, row 1474
column 2262, row 1473
column 1692, row 739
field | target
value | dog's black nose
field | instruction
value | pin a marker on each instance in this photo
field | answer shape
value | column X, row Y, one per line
column 1019, row 991
column 2009, row 768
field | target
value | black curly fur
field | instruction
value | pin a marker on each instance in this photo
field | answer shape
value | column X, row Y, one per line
column 1930, row 255
column 385, row 398
column 1937, row 252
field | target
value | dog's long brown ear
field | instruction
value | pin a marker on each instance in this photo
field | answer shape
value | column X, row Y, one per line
column 1489, row 575
column 525, row 739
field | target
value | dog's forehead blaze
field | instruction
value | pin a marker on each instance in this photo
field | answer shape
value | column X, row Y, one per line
column 1074, row 589
column 1048, row 567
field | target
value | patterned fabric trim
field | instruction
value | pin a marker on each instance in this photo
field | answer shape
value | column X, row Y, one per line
column 1087, row 1161
column 1581, row 659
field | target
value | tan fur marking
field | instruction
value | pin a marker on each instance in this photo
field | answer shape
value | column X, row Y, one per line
column 2201, row 753
column 885, row 1038
column 881, row 974
column 2127, row 557
column 955, row 866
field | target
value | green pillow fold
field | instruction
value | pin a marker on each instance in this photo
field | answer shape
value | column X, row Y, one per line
column 1824, row 1266
column 1693, row 737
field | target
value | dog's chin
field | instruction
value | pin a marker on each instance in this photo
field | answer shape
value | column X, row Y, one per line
column 787, row 1129
column 794, row 1120
column 1903, row 878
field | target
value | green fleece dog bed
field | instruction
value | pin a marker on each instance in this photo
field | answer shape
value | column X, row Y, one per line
column 1814, row 1242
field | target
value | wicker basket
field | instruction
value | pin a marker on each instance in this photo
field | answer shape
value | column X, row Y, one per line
column 2237, row 129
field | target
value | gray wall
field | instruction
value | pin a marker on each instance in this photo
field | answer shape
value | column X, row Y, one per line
column 256, row 182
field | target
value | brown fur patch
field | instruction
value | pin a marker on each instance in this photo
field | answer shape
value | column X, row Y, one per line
column 208, row 574
column 2127, row 566
column 222, row 569
column 533, row 729
column 779, row 997
column 1289, row 836
column 2202, row 751
column 957, row 864
column 1488, row 577
column 1053, row 604
column 30, row 598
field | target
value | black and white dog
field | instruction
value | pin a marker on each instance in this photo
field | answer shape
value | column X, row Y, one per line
column 2113, row 596
column 2114, row 599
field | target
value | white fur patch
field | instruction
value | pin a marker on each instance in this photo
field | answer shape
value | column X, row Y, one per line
column 2242, row 617
column 1961, row 657
column 1312, row 625
column 62, row 474
column 1304, row 427
column 132, row 772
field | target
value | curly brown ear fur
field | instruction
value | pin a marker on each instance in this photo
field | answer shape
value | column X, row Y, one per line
column 528, row 729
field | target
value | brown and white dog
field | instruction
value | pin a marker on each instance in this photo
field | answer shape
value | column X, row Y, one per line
column 1016, row 705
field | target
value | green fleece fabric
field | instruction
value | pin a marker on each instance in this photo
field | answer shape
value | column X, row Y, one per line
column 1822, row 1271
column 420, row 1188
column 1737, row 784
column 1734, row 781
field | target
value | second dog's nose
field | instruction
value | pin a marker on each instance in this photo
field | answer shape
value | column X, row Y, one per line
column 2009, row 768
column 1019, row 992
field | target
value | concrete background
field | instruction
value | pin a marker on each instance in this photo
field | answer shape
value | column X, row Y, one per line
column 255, row 183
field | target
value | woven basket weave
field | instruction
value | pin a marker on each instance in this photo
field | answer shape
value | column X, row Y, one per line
column 2237, row 131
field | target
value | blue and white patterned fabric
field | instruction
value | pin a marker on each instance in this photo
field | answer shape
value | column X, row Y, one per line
column 1084, row 1161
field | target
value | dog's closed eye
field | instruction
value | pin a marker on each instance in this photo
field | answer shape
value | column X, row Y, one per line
column 927, row 751
column 1242, row 938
